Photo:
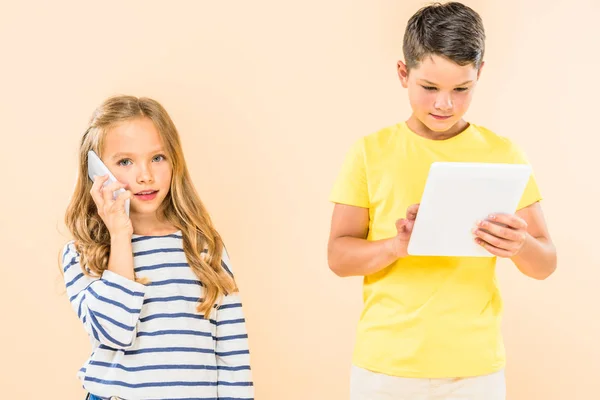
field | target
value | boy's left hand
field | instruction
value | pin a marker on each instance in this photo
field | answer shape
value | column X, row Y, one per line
column 503, row 235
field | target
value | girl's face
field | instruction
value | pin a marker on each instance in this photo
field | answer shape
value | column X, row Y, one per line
column 134, row 153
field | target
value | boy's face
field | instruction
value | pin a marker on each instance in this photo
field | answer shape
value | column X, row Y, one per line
column 439, row 91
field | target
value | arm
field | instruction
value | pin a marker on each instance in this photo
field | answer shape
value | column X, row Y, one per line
column 524, row 238
column 349, row 253
column 234, row 378
column 537, row 258
column 110, row 306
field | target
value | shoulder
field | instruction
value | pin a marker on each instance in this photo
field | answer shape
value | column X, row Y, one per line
column 380, row 138
column 226, row 261
column 69, row 251
column 69, row 256
column 496, row 141
column 371, row 146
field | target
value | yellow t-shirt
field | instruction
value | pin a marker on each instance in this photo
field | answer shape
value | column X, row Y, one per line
column 424, row 317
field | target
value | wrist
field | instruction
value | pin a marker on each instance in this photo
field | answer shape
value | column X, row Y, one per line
column 395, row 248
column 120, row 237
column 526, row 243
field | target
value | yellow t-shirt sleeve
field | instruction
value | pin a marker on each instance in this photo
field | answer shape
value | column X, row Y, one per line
column 532, row 192
column 351, row 187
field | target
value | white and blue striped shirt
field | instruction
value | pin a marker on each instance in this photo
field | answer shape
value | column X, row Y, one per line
column 149, row 341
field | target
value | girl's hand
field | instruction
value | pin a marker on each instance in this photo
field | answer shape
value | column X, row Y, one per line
column 503, row 235
column 112, row 211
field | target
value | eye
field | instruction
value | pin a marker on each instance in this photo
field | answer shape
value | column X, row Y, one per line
column 461, row 89
column 429, row 88
column 124, row 162
column 159, row 158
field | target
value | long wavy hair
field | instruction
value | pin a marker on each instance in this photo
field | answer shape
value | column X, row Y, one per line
column 182, row 206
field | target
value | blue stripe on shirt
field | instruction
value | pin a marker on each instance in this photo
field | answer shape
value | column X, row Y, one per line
column 72, row 262
column 75, row 280
column 171, row 315
column 232, row 337
column 140, row 239
column 171, row 298
column 114, row 303
column 117, row 286
column 235, row 368
column 67, row 250
column 226, row 268
column 226, row 306
column 113, row 321
column 155, row 251
column 80, row 304
column 231, row 321
column 181, row 281
column 154, row 367
column 159, row 266
column 175, row 332
column 225, row 398
column 149, row 384
column 224, row 383
column 231, row 353
column 103, row 331
column 169, row 350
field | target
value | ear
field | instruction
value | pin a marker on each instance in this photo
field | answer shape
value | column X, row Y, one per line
column 480, row 68
column 403, row 74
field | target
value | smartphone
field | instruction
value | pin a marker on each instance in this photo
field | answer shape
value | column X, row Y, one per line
column 97, row 167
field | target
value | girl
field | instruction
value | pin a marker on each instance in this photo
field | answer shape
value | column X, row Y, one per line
column 154, row 290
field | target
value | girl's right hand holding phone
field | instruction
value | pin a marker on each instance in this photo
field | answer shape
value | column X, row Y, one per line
column 112, row 211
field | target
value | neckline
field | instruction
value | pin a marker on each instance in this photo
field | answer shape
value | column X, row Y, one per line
column 437, row 142
column 177, row 232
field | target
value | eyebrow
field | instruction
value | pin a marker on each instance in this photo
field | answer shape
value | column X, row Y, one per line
column 435, row 84
column 123, row 154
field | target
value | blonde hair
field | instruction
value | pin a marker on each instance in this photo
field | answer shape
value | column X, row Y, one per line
column 182, row 206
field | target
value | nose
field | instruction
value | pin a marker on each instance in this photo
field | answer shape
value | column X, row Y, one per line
column 443, row 102
column 145, row 175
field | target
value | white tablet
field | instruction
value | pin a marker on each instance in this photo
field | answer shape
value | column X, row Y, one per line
column 456, row 196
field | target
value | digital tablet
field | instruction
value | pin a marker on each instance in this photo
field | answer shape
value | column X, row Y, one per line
column 456, row 196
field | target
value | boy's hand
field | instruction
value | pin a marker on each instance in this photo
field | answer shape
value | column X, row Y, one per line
column 404, row 226
column 503, row 235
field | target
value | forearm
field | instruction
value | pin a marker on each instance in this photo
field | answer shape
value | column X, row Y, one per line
column 537, row 259
column 121, row 257
column 232, row 351
column 350, row 256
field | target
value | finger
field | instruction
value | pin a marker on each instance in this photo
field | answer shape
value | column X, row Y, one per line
column 493, row 249
column 401, row 225
column 119, row 203
column 95, row 190
column 501, row 231
column 495, row 241
column 511, row 220
column 108, row 191
column 411, row 212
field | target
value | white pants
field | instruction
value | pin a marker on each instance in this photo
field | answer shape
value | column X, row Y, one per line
column 367, row 385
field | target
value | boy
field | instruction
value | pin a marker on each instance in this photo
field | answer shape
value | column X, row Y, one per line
column 430, row 327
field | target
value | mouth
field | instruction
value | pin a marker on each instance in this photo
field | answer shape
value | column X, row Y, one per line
column 440, row 117
column 146, row 194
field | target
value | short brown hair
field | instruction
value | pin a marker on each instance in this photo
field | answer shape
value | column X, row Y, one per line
column 452, row 30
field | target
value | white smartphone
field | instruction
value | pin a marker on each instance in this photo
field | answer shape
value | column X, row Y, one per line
column 97, row 167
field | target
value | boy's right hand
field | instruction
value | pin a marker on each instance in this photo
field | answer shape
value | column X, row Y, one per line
column 404, row 226
column 112, row 211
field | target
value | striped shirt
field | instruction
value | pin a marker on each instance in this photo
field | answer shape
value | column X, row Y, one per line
column 149, row 341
